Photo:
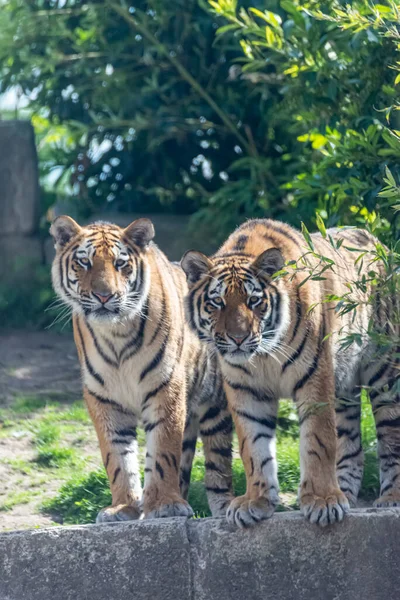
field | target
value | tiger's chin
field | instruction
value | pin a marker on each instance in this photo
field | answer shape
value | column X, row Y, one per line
column 238, row 357
column 104, row 316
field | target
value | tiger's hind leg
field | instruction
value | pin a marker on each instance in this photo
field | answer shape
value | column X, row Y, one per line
column 386, row 408
column 350, row 455
column 216, row 434
column 188, row 452
column 116, row 431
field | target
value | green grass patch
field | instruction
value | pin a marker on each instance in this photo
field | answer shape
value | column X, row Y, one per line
column 55, row 456
column 16, row 498
column 80, row 498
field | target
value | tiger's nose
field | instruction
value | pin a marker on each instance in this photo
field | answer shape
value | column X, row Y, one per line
column 102, row 297
column 238, row 338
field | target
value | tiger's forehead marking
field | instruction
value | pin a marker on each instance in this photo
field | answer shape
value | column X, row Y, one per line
column 104, row 241
column 233, row 278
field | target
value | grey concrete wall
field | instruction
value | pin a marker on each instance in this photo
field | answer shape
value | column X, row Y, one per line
column 282, row 559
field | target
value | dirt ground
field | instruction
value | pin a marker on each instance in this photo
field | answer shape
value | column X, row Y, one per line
column 38, row 364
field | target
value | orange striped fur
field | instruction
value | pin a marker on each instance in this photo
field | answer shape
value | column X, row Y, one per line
column 271, row 346
column 141, row 364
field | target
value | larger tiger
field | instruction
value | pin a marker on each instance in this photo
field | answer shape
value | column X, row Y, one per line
column 140, row 362
column 270, row 346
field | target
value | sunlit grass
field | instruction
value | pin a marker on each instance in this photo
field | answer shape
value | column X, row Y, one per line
column 59, row 434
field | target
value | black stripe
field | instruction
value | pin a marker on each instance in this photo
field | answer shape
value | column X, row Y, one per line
column 166, row 458
column 315, row 362
column 185, row 475
column 260, row 436
column 216, row 490
column 314, row 453
column 223, row 426
column 107, row 460
column 150, row 426
column 298, row 316
column 160, row 469
column 241, row 242
column 274, row 227
column 256, row 394
column 121, row 441
column 153, row 393
column 104, row 356
column 226, row 452
column 128, row 432
column 297, row 352
column 266, row 461
column 380, row 373
column 137, row 341
column 271, row 423
column 189, row 445
column 112, row 403
column 389, row 423
column 116, row 473
column 161, row 320
column 88, row 364
column 240, row 367
column 341, row 431
column 321, row 444
column 211, row 466
column 349, row 455
column 212, row 412
column 156, row 360
column 174, row 461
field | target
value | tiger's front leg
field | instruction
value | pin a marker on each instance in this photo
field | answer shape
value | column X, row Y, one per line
column 116, row 431
column 321, row 500
column 255, row 423
column 164, row 420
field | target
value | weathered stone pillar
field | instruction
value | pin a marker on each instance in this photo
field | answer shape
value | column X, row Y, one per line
column 19, row 197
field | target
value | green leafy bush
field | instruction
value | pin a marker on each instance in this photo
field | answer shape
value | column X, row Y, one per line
column 228, row 109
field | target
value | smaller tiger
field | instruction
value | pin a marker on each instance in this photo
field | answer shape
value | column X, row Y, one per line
column 271, row 346
column 141, row 364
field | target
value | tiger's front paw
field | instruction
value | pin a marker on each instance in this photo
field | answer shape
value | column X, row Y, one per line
column 324, row 510
column 391, row 499
column 171, row 509
column 121, row 512
column 244, row 512
column 158, row 505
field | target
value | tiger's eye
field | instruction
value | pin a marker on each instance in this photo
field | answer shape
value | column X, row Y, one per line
column 85, row 262
column 218, row 300
column 120, row 262
column 253, row 300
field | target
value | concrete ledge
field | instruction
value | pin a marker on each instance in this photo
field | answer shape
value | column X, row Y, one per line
column 284, row 558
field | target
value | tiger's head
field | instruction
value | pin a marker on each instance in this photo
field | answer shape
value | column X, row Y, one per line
column 234, row 303
column 100, row 270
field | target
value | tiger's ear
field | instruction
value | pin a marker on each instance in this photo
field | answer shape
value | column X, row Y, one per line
column 140, row 232
column 269, row 262
column 63, row 229
column 195, row 264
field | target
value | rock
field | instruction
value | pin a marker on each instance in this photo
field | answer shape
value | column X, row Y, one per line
column 142, row 561
column 19, row 206
column 174, row 559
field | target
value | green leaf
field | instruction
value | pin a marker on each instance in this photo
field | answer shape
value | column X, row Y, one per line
column 321, row 225
column 307, row 236
column 267, row 16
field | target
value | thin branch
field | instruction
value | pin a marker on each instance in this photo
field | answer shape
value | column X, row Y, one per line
column 134, row 23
